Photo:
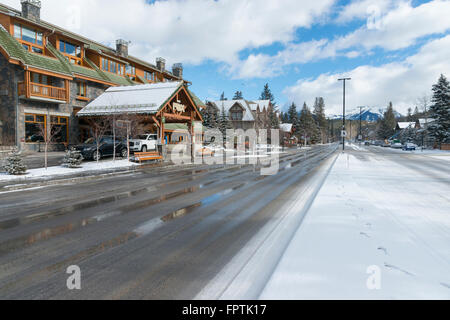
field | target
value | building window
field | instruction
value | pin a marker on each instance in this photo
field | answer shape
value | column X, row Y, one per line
column 130, row 70
column 236, row 113
column 113, row 67
column 60, row 126
column 31, row 39
column 71, row 51
column 148, row 75
column 81, row 89
column 33, row 127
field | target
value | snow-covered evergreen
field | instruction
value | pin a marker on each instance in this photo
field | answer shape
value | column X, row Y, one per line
column 440, row 111
column 72, row 159
column 15, row 165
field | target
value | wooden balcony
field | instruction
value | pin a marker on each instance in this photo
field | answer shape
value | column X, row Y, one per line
column 43, row 92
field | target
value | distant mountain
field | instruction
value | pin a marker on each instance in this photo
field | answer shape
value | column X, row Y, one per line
column 370, row 114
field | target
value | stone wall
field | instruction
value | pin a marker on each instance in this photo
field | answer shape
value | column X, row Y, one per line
column 10, row 75
column 8, row 103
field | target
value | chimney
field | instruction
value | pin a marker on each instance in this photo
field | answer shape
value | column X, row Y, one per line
column 177, row 70
column 161, row 64
column 122, row 47
column 31, row 9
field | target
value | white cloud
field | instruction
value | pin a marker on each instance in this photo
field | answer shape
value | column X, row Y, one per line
column 401, row 82
column 186, row 31
column 364, row 9
column 398, row 29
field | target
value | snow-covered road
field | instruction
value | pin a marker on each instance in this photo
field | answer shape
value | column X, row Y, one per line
column 379, row 228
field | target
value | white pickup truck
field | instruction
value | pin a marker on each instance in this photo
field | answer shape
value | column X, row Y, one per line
column 144, row 142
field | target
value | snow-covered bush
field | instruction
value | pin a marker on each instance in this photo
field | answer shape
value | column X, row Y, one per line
column 72, row 159
column 14, row 164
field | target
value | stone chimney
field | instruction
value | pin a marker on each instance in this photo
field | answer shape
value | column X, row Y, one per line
column 177, row 70
column 122, row 47
column 31, row 9
column 161, row 64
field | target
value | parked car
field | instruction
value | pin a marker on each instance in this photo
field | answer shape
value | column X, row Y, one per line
column 144, row 142
column 378, row 143
column 397, row 145
column 106, row 148
column 409, row 146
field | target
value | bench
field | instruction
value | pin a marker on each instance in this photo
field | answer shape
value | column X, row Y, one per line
column 145, row 156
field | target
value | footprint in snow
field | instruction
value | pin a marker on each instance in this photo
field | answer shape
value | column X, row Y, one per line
column 364, row 234
column 445, row 285
column 390, row 266
column 383, row 249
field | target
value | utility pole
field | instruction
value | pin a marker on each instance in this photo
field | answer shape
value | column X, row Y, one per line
column 343, row 113
column 360, row 124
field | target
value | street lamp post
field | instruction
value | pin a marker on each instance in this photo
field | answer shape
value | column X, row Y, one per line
column 343, row 114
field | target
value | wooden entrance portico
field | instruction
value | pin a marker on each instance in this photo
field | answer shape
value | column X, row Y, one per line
column 153, row 104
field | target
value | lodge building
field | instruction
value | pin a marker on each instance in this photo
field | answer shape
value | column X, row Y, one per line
column 243, row 114
column 48, row 74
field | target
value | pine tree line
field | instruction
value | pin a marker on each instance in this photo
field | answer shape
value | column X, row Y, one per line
column 309, row 126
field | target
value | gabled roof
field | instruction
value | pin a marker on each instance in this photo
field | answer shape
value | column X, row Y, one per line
column 140, row 99
column 262, row 104
column 286, row 127
column 404, row 125
column 228, row 104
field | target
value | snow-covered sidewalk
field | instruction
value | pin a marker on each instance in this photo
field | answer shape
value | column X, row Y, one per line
column 376, row 230
column 63, row 171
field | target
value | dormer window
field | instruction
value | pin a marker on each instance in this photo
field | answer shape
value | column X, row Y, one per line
column 71, row 51
column 149, row 76
column 31, row 39
column 236, row 113
column 112, row 66
column 130, row 70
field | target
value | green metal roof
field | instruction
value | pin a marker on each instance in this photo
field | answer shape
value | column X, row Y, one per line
column 15, row 50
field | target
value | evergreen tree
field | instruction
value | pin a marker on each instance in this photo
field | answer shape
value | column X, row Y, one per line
column 238, row 95
column 388, row 123
column 293, row 117
column 15, row 165
column 409, row 117
column 222, row 97
column 322, row 123
column 306, row 124
column 224, row 123
column 266, row 94
column 440, row 111
column 72, row 159
column 416, row 115
column 274, row 122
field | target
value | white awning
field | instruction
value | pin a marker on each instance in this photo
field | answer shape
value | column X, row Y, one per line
column 139, row 99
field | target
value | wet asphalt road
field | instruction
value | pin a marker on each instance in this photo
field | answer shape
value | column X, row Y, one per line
column 157, row 233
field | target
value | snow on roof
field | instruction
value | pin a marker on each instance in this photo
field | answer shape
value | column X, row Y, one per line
column 404, row 125
column 423, row 121
column 286, row 127
column 146, row 98
column 262, row 104
column 228, row 104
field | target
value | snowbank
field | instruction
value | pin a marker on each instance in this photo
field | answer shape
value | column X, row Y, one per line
column 61, row 171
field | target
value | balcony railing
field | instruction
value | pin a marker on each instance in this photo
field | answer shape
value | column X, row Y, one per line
column 43, row 91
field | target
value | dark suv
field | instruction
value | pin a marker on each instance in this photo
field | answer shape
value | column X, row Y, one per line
column 106, row 148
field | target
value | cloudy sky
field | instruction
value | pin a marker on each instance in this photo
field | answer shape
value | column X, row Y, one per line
column 392, row 50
